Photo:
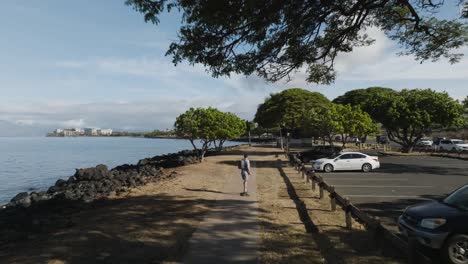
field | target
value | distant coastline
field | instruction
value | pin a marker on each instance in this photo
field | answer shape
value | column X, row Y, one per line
column 118, row 135
column 97, row 132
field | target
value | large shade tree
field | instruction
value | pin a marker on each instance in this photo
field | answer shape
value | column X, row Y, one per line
column 413, row 113
column 407, row 115
column 287, row 109
column 373, row 100
column 274, row 38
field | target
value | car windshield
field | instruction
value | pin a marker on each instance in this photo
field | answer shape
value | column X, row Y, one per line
column 458, row 199
column 458, row 142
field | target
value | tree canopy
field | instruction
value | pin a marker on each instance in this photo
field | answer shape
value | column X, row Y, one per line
column 288, row 108
column 356, row 123
column 229, row 126
column 407, row 115
column 276, row 38
column 373, row 100
column 208, row 125
column 324, row 121
column 336, row 119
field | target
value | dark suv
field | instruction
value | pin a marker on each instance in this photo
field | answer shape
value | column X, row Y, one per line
column 441, row 225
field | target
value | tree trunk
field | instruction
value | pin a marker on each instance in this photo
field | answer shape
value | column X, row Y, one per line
column 220, row 146
column 407, row 148
column 197, row 151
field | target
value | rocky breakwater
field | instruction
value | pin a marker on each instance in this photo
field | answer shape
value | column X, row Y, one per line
column 29, row 211
column 89, row 184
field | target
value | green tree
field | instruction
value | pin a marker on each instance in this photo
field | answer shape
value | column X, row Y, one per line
column 355, row 122
column 229, row 126
column 198, row 124
column 288, row 108
column 412, row 114
column 276, row 38
column 465, row 103
column 208, row 126
column 373, row 100
column 324, row 121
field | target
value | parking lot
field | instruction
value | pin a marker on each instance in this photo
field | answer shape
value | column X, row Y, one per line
column 401, row 181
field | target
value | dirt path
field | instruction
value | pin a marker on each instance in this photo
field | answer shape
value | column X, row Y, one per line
column 229, row 233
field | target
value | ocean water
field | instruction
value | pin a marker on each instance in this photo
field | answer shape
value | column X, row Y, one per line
column 34, row 164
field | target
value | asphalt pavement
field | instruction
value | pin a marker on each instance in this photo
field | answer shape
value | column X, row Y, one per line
column 401, row 181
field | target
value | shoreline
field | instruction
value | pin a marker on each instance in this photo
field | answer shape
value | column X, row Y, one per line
column 157, row 164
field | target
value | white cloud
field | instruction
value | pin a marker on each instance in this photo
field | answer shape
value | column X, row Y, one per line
column 140, row 115
column 142, row 66
column 366, row 55
column 379, row 62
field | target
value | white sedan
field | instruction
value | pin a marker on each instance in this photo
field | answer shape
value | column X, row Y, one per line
column 347, row 161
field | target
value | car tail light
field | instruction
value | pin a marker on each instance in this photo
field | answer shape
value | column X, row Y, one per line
column 375, row 158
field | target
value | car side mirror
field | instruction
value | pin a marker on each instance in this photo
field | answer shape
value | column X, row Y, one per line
column 336, row 159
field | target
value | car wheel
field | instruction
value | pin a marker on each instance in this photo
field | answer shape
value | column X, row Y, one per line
column 328, row 168
column 366, row 167
column 455, row 250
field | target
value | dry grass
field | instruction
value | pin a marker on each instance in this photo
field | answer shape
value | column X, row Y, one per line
column 348, row 246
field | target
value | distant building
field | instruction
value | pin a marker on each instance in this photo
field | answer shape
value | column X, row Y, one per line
column 90, row 131
column 70, row 132
column 104, row 132
column 80, row 131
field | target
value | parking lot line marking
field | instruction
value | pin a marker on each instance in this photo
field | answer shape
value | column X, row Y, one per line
column 344, row 179
column 384, row 196
column 383, row 186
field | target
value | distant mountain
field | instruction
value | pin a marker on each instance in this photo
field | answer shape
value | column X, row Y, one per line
column 8, row 129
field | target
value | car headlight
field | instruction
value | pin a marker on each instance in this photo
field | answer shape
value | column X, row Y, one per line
column 433, row 223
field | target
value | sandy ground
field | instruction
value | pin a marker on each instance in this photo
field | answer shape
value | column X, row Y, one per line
column 154, row 223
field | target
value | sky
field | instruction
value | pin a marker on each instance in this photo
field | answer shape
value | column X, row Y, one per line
column 98, row 64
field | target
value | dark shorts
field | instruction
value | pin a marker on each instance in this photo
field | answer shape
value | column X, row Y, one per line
column 245, row 176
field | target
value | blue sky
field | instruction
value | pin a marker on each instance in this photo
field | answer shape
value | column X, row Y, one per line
column 97, row 63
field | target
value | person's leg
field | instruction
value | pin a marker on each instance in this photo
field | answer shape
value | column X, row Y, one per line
column 245, row 186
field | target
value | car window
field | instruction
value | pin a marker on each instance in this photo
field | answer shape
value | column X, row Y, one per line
column 445, row 142
column 358, row 156
column 346, row 156
column 457, row 142
column 458, row 199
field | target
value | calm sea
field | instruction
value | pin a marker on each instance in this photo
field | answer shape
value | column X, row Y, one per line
column 32, row 164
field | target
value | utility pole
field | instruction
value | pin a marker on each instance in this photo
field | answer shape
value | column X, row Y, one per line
column 281, row 139
column 248, row 130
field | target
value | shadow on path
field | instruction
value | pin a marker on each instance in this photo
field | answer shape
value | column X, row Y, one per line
column 143, row 229
column 202, row 190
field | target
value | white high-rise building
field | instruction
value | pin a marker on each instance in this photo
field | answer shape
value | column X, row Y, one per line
column 105, row 132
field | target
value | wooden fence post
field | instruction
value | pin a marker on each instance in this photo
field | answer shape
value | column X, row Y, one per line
column 332, row 198
column 313, row 183
column 349, row 222
column 321, row 187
